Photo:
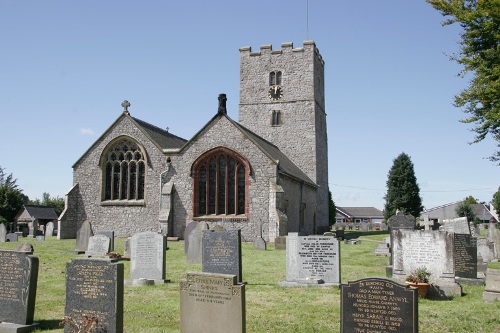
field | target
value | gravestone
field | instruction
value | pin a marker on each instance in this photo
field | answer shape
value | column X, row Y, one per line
column 18, row 284
column 212, row 303
column 312, row 261
column 492, row 289
column 426, row 223
column 494, row 237
column 413, row 249
column 11, row 237
column 383, row 249
column 111, row 236
column 147, row 258
column 458, row 225
column 94, row 288
column 3, row 232
column 25, row 247
column 401, row 221
column 378, row 305
column 40, row 238
column 221, row 252
column 126, row 250
column 465, row 256
column 280, row 243
column 49, row 229
column 98, row 246
column 486, row 249
column 192, row 241
column 82, row 237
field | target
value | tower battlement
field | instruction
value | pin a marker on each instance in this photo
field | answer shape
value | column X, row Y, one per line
column 285, row 48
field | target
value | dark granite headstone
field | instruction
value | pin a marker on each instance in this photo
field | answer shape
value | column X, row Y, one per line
column 82, row 237
column 18, row 282
column 3, row 232
column 94, row 287
column 378, row 305
column 192, row 241
column 221, row 252
column 401, row 221
column 11, row 237
column 465, row 256
column 212, row 303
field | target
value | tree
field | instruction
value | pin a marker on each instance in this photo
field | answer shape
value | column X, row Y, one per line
column 332, row 209
column 480, row 56
column 403, row 192
column 12, row 198
column 57, row 203
column 464, row 210
column 496, row 201
column 470, row 200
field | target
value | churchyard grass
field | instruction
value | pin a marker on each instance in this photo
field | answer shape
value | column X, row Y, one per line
column 269, row 308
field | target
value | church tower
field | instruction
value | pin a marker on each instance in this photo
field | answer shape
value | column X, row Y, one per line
column 282, row 99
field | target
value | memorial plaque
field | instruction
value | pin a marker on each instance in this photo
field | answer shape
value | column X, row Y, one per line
column 147, row 260
column 18, row 282
column 221, row 252
column 212, row 303
column 98, row 246
column 94, row 287
column 378, row 305
column 465, row 256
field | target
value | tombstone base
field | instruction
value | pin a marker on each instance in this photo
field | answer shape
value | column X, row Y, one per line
column 470, row 282
column 444, row 291
column 489, row 296
column 17, row 328
column 306, row 283
column 145, row 282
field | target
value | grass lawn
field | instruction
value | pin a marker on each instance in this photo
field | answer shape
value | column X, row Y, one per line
column 270, row 308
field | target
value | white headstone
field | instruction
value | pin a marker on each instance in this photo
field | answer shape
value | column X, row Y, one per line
column 98, row 246
column 147, row 256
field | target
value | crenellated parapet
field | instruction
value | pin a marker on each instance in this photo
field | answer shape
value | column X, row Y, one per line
column 267, row 49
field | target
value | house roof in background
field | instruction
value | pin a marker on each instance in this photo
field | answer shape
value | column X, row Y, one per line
column 361, row 211
column 39, row 212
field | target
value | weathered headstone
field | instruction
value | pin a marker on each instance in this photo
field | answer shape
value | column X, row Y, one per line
column 11, row 237
column 492, row 289
column 25, row 247
column 212, row 303
column 94, row 288
column 401, row 221
column 280, row 243
column 458, row 225
column 98, row 246
column 147, row 258
column 192, row 241
column 3, row 232
column 18, row 283
column 82, row 237
column 378, row 305
column 486, row 249
column 49, row 229
column 494, row 237
column 312, row 260
column 413, row 249
column 465, row 256
column 111, row 236
column 221, row 252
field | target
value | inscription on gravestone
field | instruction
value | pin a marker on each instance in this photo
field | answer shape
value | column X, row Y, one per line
column 18, row 282
column 465, row 256
column 148, row 256
column 94, row 287
column 221, row 252
column 98, row 245
column 378, row 305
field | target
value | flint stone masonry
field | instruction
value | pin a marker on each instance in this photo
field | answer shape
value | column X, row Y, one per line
column 18, row 284
column 212, row 303
column 312, row 260
column 147, row 259
column 94, row 287
column 221, row 252
column 378, row 305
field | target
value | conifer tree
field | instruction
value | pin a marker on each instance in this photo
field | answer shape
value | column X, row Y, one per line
column 403, row 192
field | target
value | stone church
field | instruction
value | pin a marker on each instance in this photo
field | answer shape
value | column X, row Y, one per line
column 265, row 174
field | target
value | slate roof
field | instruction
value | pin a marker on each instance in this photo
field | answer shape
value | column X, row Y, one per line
column 365, row 212
column 41, row 212
column 159, row 136
column 448, row 211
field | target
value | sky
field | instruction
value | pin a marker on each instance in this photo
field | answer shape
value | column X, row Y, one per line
column 66, row 67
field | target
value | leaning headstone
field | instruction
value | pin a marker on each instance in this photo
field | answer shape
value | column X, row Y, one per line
column 413, row 249
column 11, row 237
column 458, row 225
column 98, row 246
column 378, row 305
column 111, row 236
column 18, row 282
column 94, row 288
column 82, row 237
column 147, row 259
column 192, row 241
column 492, row 289
column 212, row 303
column 312, row 261
column 49, row 229
column 3, row 232
column 221, row 252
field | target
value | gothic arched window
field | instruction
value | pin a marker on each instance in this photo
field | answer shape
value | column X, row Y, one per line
column 220, row 184
column 124, row 171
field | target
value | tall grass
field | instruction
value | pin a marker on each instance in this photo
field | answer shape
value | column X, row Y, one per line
column 270, row 308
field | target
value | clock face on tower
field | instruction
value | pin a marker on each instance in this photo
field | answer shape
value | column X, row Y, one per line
column 275, row 92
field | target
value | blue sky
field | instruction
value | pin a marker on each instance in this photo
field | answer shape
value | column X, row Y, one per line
column 66, row 66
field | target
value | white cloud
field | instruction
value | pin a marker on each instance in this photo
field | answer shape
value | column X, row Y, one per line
column 86, row 131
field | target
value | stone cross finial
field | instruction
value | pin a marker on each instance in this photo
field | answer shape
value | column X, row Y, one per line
column 125, row 105
column 222, row 104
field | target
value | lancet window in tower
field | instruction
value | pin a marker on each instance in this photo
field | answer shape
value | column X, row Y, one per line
column 220, row 186
column 275, row 78
column 276, row 118
column 124, row 171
